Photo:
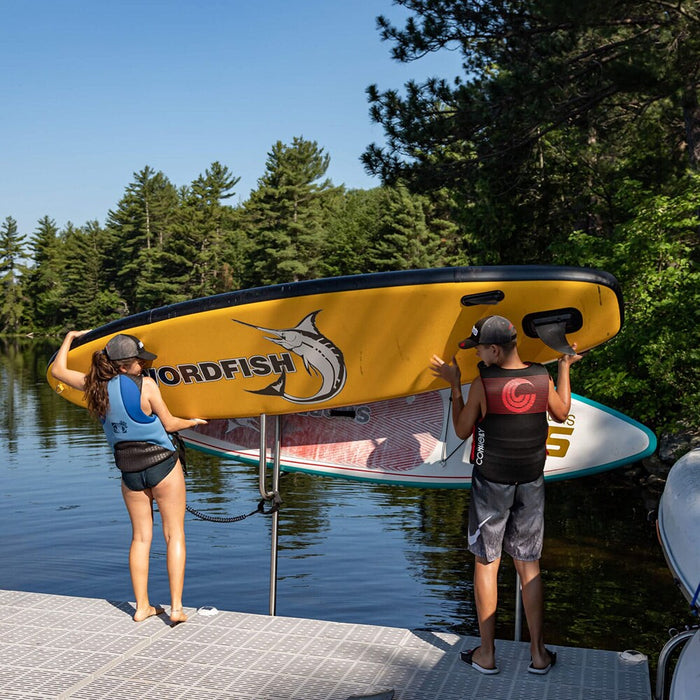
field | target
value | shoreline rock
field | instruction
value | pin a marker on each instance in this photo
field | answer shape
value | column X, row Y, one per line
column 671, row 448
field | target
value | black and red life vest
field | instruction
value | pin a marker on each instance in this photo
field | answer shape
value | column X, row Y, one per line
column 509, row 441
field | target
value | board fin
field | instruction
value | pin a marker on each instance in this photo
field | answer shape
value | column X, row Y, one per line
column 551, row 327
column 553, row 335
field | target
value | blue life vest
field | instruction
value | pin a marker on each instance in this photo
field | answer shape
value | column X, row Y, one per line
column 125, row 421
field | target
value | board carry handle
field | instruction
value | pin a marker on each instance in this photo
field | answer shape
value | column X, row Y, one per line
column 551, row 327
column 491, row 298
column 343, row 413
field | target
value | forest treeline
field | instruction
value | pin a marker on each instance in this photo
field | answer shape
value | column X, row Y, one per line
column 571, row 138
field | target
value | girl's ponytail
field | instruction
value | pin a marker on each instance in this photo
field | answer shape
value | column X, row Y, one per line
column 101, row 371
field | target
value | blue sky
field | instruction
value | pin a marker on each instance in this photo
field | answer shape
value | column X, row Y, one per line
column 94, row 90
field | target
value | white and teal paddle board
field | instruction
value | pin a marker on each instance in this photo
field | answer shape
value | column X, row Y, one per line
column 410, row 442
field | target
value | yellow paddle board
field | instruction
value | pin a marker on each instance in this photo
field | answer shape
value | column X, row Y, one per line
column 341, row 341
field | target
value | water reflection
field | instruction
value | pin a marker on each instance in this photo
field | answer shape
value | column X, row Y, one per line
column 350, row 552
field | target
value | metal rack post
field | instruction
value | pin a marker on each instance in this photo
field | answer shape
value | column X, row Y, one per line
column 273, row 495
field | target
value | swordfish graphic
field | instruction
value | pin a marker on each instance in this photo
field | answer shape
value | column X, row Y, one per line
column 319, row 355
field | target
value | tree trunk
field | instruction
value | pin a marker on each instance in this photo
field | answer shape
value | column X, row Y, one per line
column 691, row 117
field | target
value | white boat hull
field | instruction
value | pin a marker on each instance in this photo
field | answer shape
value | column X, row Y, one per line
column 686, row 676
column 679, row 525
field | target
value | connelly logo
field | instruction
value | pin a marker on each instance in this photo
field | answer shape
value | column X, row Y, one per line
column 479, row 447
column 518, row 395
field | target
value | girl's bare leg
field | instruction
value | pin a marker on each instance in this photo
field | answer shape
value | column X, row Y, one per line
column 139, row 504
column 171, row 497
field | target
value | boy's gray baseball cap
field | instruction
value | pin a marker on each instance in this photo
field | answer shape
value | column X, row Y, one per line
column 492, row 330
column 123, row 346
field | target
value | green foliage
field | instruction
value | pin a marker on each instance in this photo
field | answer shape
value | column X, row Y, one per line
column 557, row 103
column 284, row 217
column 410, row 234
column 206, row 229
column 43, row 281
column 139, row 226
column 528, row 70
column 353, row 220
column 88, row 296
column 650, row 369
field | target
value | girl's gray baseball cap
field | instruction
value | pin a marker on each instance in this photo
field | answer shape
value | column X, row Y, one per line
column 123, row 346
column 492, row 330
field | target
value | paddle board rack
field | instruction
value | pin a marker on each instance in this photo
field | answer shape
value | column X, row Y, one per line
column 272, row 495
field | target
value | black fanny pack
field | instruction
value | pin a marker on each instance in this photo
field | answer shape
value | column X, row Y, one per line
column 137, row 456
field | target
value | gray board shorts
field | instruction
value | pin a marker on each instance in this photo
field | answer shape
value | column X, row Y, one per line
column 506, row 517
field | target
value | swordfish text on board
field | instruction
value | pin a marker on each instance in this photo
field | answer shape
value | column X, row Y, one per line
column 320, row 357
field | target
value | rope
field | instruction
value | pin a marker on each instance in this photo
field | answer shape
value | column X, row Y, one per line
column 235, row 518
column 444, row 460
column 180, row 446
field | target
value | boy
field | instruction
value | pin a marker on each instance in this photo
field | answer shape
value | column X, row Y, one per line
column 506, row 411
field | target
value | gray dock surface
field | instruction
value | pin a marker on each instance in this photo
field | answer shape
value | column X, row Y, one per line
column 65, row 647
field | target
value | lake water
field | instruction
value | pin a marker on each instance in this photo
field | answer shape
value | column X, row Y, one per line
column 348, row 552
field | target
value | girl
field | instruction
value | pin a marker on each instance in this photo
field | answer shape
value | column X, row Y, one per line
column 136, row 422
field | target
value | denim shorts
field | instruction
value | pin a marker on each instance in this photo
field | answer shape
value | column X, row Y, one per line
column 151, row 476
column 506, row 517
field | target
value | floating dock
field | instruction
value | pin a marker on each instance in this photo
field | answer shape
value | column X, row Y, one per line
column 65, row 647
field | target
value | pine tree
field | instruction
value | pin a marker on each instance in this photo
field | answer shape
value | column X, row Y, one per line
column 408, row 237
column 43, row 281
column 529, row 70
column 354, row 220
column 285, row 215
column 557, row 104
column 90, row 298
column 209, row 231
column 141, row 225
column 12, row 252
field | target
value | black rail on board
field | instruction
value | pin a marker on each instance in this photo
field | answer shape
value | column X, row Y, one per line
column 442, row 275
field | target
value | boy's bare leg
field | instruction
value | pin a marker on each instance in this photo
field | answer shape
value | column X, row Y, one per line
column 486, row 597
column 533, row 603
